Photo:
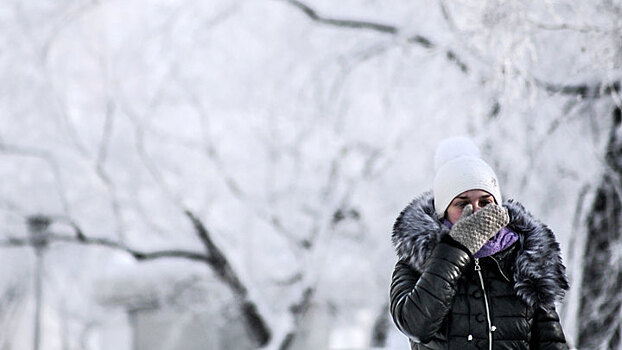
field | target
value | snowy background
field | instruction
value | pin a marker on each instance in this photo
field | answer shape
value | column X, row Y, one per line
column 241, row 162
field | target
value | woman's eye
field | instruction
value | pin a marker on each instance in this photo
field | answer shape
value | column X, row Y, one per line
column 484, row 203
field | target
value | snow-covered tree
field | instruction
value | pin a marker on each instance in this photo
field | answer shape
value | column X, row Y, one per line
column 275, row 141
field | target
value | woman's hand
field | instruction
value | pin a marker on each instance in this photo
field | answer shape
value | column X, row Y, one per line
column 473, row 230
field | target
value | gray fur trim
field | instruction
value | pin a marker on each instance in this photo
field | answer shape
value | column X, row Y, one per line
column 539, row 272
column 417, row 231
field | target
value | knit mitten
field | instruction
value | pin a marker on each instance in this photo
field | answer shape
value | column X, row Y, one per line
column 473, row 230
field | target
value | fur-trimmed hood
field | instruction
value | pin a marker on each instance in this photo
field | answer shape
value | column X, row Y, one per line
column 539, row 274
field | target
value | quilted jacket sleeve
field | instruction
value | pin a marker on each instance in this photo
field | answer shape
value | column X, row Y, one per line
column 421, row 302
column 546, row 332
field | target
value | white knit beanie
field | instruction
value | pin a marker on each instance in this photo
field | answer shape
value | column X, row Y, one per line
column 459, row 168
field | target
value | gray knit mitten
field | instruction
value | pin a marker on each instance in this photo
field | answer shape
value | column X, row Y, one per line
column 473, row 230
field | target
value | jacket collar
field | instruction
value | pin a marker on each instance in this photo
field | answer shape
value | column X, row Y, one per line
column 539, row 274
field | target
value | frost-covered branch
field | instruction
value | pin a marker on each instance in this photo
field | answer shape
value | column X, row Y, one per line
column 100, row 168
column 219, row 263
column 586, row 90
column 565, row 26
column 13, row 296
column 298, row 311
column 596, row 90
column 80, row 238
column 73, row 13
column 259, row 330
column 213, row 257
column 37, row 242
column 212, row 153
column 216, row 259
column 463, row 39
column 49, row 159
column 381, row 28
column 345, row 23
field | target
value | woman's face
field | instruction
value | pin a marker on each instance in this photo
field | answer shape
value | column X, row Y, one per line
column 477, row 198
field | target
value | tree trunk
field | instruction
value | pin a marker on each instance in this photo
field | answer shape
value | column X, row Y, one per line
column 256, row 326
column 600, row 301
column 382, row 324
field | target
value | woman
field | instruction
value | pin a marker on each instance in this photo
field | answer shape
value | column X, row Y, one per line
column 472, row 273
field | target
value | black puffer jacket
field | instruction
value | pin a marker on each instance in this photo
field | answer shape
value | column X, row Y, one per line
column 443, row 298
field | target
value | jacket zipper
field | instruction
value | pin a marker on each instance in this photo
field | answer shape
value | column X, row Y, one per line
column 481, row 280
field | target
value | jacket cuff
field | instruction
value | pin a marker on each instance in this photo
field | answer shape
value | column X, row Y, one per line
column 452, row 242
column 447, row 239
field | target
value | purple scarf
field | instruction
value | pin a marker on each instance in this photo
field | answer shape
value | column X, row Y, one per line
column 503, row 239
